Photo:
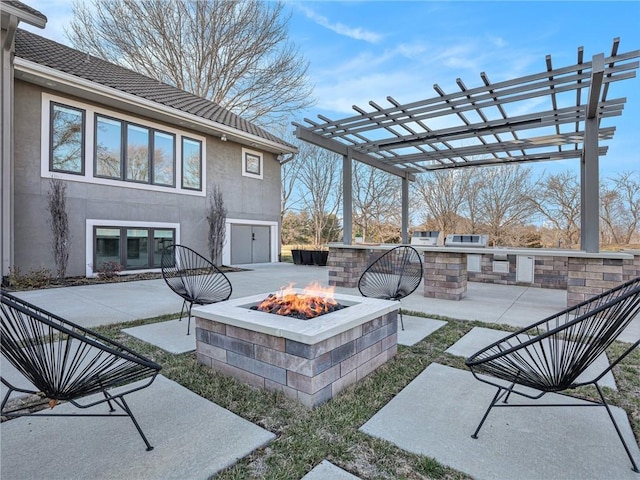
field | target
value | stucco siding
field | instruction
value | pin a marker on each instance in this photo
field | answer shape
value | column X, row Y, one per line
column 245, row 198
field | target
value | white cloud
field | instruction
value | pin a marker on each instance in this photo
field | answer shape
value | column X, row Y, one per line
column 356, row 33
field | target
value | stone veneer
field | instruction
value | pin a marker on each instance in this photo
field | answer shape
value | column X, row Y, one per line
column 592, row 276
column 346, row 266
column 445, row 275
column 549, row 272
column 312, row 373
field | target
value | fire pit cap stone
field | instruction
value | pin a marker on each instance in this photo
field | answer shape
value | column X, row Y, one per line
column 237, row 312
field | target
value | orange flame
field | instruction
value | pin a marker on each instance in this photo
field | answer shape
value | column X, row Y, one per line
column 314, row 300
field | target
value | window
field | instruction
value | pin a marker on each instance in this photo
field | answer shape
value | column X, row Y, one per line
column 66, row 139
column 108, row 147
column 163, row 158
column 150, row 154
column 138, row 154
column 191, row 164
column 251, row 164
column 107, row 246
column 130, row 246
column 90, row 144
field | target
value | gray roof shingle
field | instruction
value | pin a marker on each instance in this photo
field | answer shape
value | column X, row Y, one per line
column 43, row 51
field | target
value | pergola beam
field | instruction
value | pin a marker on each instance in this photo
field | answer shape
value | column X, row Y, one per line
column 341, row 149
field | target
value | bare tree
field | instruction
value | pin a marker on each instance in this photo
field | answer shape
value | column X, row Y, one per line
column 557, row 198
column 503, row 202
column 321, row 176
column 442, row 197
column 376, row 203
column 235, row 53
column 290, row 177
column 59, row 221
column 620, row 207
column 216, row 216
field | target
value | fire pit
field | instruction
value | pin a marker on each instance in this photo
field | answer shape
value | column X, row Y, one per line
column 311, row 303
column 311, row 360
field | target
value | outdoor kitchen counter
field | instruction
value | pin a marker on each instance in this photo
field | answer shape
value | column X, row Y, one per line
column 446, row 270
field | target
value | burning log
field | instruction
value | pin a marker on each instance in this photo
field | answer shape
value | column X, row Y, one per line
column 303, row 306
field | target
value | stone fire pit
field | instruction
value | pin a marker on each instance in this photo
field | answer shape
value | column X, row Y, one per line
column 309, row 360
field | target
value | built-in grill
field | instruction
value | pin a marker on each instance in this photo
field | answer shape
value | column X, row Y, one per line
column 425, row 237
column 462, row 240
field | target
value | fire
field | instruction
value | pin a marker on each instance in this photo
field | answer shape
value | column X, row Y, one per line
column 315, row 300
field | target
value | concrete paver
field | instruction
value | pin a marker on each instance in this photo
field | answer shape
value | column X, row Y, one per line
column 326, row 470
column 193, row 438
column 438, row 411
column 171, row 336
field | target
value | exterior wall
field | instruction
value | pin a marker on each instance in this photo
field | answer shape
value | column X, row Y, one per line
column 549, row 272
column 244, row 197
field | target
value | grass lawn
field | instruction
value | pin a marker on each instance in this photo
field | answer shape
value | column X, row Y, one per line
column 306, row 437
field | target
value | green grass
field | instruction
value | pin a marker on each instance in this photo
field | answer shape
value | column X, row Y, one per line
column 305, row 437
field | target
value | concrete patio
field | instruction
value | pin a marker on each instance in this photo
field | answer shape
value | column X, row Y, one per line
column 193, row 436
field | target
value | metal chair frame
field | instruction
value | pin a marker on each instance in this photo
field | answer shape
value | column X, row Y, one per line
column 551, row 354
column 393, row 276
column 66, row 362
column 194, row 278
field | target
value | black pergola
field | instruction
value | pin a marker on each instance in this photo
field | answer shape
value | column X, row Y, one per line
column 552, row 115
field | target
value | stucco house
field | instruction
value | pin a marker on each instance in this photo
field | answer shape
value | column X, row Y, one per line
column 138, row 157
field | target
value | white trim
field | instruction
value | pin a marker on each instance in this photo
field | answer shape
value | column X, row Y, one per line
column 245, row 172
column 32, row 68
column 90, row 111
column 275, row 238
column 24, row 16
column 92, row 222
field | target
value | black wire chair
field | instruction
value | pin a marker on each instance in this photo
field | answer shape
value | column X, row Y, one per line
column 551, row 355
column 65, row 363
column 194, row 278
column 393, row 276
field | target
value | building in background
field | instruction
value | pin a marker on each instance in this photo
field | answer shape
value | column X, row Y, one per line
column 138, row 157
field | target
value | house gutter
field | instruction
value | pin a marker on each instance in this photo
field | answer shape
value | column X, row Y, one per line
column 184, row 119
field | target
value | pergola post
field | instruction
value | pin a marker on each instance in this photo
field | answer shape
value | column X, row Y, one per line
column 590, row 164
column 405, row 210
column 347, row 199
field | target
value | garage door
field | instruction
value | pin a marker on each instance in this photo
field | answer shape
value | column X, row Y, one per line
column 250, row 244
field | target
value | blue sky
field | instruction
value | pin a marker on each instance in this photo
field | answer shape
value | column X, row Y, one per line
column 368, row 50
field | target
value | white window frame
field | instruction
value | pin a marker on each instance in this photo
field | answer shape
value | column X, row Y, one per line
column 246, row 171
column 91, row 223
column 90, row 111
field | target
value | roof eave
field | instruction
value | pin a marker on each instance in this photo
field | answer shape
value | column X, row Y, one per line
column 35, row 71
column 24, row 16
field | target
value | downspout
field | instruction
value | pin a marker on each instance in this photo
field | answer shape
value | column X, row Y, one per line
column 6, row 162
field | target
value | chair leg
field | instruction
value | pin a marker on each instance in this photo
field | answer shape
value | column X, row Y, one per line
column 401, row 322
column 624, row 444
column 106, row 395
column 128, row 411
column 189, row 320
column 495, row 400
column 184, row 303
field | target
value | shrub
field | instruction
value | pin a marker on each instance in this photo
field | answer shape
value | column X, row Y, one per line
column 109, row 269
column 35, row 278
